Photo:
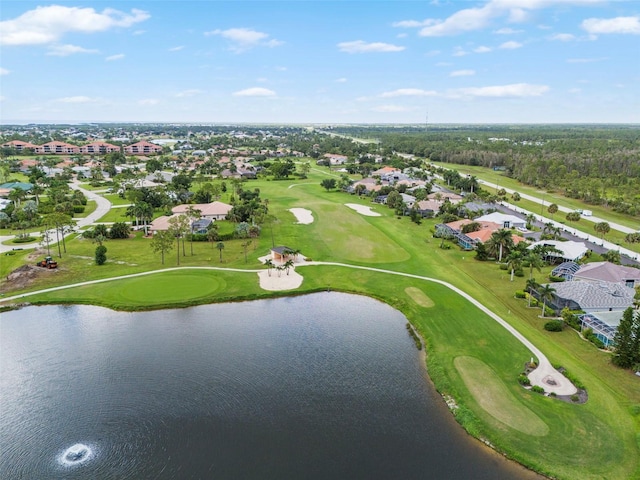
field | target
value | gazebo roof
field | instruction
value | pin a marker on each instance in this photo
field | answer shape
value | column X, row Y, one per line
column 281, row 250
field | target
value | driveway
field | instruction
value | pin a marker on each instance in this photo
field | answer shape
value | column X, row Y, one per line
column 103, row 207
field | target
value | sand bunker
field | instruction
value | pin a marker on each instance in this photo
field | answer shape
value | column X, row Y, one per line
column 279, row 280
column 303, row 215
column 362, row 210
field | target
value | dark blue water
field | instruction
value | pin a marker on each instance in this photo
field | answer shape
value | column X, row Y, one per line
column 325, row 386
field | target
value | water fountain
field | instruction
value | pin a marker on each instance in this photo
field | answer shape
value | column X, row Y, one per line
column 75, row 454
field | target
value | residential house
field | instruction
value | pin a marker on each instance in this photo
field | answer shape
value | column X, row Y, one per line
column 609, row 272
column 470, row 240
column 335, row 159
column 568, row 251
column 428, row 208
column 603, row 324
column 212, row 211
column 452, row 197
column 503, row 219
column 590, row 297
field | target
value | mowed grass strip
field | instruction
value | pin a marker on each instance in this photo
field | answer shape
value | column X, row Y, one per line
column 494, row 397
column 419, row 297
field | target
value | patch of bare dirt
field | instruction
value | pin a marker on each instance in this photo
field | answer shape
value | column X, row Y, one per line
column 24, row 276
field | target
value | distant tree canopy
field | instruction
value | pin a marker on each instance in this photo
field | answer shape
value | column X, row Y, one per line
column 596, row 164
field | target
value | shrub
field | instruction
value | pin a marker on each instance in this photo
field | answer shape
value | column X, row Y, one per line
column 503, row 266
column 23, row 239
column 78, row 209
column 537, row 389
column 119, row 230
column 553, row 326
column 524, row 380
column 575, row 398
column 101, row 255
column 519, row 273
column 520, row 294
column 553, row 278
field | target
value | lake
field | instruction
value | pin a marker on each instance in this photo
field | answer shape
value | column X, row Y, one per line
column 325, row 386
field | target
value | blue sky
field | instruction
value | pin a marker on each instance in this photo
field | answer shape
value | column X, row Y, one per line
column 495, row 61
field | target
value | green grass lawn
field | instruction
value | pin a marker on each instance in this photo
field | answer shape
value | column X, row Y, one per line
column 470, row 358
column 89, row 208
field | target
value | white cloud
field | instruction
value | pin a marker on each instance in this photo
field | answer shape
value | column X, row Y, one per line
column 360, row 46
column 147, row 102
column 139, row 32
column 562, row 37
column 341, row 80
column 511, row 45
column 498, row 91
column 391, row 109
column 459, row 52
column 66, row 50
column 48, row 24
column 413, row 23
column 433, row 53
column 4, row 71
column 586, row 60
column 113, row 58
column 2, row 98
column 506, row 31
column 478, row 18
column 76, row 99
column 628, row 25
column 462, row 73
column 254, row 92
column 408, row 92
column 482, row 49
column 189, row 93
column 176, row 49
column 575, row 91
column 243, row 39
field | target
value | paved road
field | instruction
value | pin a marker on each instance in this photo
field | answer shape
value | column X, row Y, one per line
column 576, row 232
column 103, row 206
column 544, row 375
column 614, row 226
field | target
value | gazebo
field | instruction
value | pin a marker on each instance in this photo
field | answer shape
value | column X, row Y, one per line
column 281, row 254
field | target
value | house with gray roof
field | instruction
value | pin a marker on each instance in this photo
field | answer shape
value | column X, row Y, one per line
column 609, row 272
column 591, row 297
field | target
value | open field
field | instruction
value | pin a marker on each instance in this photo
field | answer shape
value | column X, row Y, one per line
column 599, row 439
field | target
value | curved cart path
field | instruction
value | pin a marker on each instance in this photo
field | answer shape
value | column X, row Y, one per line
column 544, row 375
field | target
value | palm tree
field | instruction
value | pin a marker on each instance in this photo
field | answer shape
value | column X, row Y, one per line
column 602, row 228
column 500, row 240
column 220, row 247
column 193, row 214
column 287, row 265
column 269, row 264
column 546, row 292
column 534, row 260
column 548, row 228
column 530, row 287
column 531, row 219
column 514, row 262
